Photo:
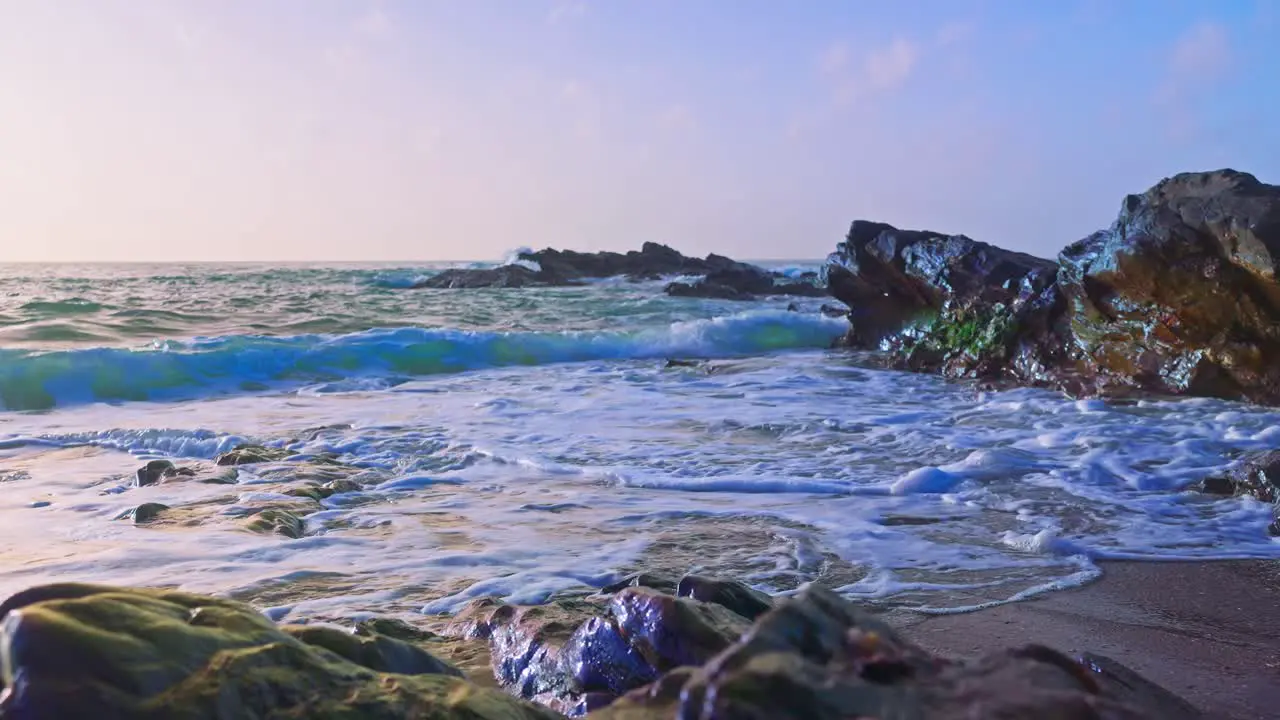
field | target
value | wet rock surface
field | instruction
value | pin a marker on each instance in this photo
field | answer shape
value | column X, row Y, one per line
column 1178, row 296
column 73, row 650
column 817, row 656
column 1256, row 475
column 728, row 279
column 252, row 454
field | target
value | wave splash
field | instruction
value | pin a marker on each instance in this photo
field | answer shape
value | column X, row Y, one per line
column 248, row 363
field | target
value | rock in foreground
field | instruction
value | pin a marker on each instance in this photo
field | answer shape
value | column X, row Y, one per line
column 82, row 651
column 1179, row 296
column 87, row 651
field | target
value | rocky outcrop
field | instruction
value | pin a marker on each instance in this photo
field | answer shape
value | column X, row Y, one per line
column 723, row 278
column 1178, row 296
column 639, row 653
column 652, row 261
column 946, row 303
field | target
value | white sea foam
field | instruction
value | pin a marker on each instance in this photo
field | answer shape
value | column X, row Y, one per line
column 529, row 481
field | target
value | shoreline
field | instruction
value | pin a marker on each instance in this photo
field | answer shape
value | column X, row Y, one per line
column 1206, row 631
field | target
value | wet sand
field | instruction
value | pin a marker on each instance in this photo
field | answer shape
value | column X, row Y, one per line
column 1209, row 632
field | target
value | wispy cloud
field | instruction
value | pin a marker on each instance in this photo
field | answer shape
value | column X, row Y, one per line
column 677, row 118
column 374, row 24
column 1200, row 57
column 585, row 109
column 954, row 33
column 566, row 10
column 880, row 69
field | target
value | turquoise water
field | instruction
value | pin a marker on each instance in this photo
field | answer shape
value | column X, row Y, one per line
column 535, row 441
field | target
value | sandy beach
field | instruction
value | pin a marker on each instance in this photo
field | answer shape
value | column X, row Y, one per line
column 1206, row 631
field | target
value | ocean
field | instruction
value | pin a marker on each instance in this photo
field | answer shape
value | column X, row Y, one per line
column 527, row 443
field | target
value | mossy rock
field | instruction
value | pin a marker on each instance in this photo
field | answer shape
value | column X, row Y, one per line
column 313, row 492
column 146, row 512
column 343, row 485
column 84, row 651
column 374, row 651
column 252, row 454
column 277, row 521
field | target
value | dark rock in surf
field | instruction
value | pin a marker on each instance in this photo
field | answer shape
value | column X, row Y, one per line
column 1257, row 475
column 1178, row 296
column 143, row 514
column 505, row 276
column 650, row 262
column 703, row 289
column 833, row 311
column 276, row 521
column 252, row 454
column 729, row 280
column 939, row 302
column 158, row 471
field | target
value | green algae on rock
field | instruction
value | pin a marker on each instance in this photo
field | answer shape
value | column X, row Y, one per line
column 252, row 454
column 90, row 651
column 1181, row 295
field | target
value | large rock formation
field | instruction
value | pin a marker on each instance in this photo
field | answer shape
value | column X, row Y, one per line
column 71, row 651
column 1179, row 296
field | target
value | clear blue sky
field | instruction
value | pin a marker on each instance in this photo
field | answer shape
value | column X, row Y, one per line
column 319, row 129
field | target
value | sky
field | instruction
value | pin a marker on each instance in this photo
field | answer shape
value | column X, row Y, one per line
column 312, row 130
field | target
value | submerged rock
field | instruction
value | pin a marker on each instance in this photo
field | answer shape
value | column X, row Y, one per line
column 506, row 276
column 145, row 513
column 251, row 454
column 730, row 280
column 81, row 651
column 276, row 521
column 1256, row 475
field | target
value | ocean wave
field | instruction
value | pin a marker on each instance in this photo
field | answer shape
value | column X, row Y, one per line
column 399, row 279
column 513, row 258
column 248, row 363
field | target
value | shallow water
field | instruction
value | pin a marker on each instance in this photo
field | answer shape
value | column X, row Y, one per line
column 531, row 442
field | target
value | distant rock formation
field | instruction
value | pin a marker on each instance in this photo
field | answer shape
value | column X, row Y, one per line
column 722, row 277
column 1179, row 296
